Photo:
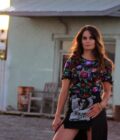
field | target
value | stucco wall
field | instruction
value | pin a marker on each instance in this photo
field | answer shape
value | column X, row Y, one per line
column 31, row 48
column 30, row 54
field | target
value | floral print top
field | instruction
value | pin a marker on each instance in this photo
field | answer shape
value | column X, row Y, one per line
column 86, row 85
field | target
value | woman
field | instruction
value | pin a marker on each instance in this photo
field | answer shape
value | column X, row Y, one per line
column 86, row 83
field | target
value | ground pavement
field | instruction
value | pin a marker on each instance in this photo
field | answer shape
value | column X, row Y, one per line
column 14, row 127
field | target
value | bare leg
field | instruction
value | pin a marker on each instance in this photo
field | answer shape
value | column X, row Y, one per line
column 65, row 134
column 89, row 134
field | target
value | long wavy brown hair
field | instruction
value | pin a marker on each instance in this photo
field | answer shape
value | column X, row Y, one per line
column 99, row 51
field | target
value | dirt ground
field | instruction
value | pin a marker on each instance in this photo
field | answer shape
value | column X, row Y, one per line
column 14, row 127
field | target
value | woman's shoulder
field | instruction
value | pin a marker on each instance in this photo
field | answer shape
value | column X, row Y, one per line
column 108, row 63
column 72, row 62
column 71, row 59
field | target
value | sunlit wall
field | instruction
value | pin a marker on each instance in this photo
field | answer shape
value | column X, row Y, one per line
column 4, row 19
column 4, row 23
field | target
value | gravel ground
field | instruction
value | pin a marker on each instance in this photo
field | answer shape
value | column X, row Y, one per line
column 38, row 128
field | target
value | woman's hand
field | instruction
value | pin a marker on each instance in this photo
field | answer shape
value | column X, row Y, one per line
column 95, row 110
column 56, row 123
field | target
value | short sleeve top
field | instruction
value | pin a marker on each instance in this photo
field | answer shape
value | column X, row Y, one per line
column 83, row 74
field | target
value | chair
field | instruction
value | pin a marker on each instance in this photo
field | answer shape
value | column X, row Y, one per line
column 50, row 92
column 32, row 97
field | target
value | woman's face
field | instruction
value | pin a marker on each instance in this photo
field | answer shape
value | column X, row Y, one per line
column 88, row 41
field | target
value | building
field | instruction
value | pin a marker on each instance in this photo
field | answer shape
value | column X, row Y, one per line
column 40, row 33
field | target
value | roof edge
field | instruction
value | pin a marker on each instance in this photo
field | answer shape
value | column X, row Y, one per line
column 108, row 12
column 55, row 13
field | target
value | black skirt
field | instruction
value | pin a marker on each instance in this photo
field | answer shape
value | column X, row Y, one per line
column 99, row 128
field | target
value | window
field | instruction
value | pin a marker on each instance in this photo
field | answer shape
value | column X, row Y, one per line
column 110, row 49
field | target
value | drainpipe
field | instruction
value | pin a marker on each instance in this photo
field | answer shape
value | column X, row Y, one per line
column 64, row 24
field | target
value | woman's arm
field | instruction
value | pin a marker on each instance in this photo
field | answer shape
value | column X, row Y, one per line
column 62, row 97
column 61, row 102
column 107, row 93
